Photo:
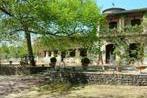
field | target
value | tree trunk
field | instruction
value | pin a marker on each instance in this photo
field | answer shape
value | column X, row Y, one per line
column 30, row 50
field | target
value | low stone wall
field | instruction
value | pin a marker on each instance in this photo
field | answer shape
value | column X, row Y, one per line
column 123, row 79
column 102, row 78
column 74, row 76
column 8, row 70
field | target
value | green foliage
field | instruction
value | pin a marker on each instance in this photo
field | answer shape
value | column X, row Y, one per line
column 63, row 43
column 4, row 50
column 125, row 31
column 56, row 87
column 12, row 51
column 73, row 24
column 54, row 20
column 145, row 20
column 122, row 39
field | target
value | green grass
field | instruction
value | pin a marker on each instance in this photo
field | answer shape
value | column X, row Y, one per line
column 88, row 91
column 145, row 55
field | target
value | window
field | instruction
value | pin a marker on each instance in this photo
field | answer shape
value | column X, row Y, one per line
column 83, row 52
column 63, row 54
column 72, row 53
column 49, row 53
column 112, row 25
column 55, row 53
column 110, row 56
column 134, row 50
column 135, row 22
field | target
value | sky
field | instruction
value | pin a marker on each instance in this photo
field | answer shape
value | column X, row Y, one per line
column 127, row 4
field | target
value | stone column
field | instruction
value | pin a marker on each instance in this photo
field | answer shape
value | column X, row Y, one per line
column 59, row 53
column 59, row 57
column 77, row 56
column 77, row 53
column 103, row 49
column 121, row 23
column 145, row 22
column 46, row 54
column 52, row 53
column 67, row 53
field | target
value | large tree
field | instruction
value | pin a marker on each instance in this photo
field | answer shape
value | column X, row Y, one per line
column 75, row 25
column 54, row 18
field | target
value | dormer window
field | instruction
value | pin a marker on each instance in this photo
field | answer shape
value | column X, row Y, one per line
column 112, row 25
column 135, row 22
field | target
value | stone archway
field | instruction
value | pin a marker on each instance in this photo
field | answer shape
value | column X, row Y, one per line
column 110, row 56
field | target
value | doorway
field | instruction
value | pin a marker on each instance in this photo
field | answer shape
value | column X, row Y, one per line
column 110, row 56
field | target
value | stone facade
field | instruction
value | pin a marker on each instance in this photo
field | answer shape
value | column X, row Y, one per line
column 103, row 78
column 116, row 18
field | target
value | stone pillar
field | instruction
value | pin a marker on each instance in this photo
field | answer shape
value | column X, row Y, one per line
column 121, row 23
column 59, row 52
column 46, row 54
column 52, row 53
column 103, row 49
column 58, row 57
column 77, row 56
column 77, row 53
column 145, row 22
column 98, row 29
column 68, row 53
column 145, row 52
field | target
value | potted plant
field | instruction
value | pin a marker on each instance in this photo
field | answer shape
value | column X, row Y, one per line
column 85, row 62
column 10, row 62
column 53, row 61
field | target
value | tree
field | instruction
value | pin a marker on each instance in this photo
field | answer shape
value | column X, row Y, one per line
column 4, row 51
column 49, row 17
column 74, row 24
column 18, row 16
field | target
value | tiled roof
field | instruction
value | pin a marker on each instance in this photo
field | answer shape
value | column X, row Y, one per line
column 124, row 11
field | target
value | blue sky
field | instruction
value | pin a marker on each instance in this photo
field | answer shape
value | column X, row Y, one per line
column 127, row 4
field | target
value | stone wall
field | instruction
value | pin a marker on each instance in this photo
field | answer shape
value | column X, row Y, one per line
column 123, row 79
column 103, row 78
column 8, row 70
column 73, row 76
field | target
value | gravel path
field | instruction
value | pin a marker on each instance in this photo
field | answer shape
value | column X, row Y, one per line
column 16, row 84
column 19, row 87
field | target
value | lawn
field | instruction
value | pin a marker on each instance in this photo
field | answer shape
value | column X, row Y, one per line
column 32, row 87
column 88, row 91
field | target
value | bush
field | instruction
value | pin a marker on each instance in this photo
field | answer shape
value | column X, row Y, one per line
column 85, row 62
column 53, row 59
column 53, row 62
column 56, row 87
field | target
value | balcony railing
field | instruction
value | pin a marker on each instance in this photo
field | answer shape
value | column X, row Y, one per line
column 126, row 31
column 133, row 29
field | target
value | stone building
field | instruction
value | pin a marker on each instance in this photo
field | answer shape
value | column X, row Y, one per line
column 117, row 22
column 128, row 25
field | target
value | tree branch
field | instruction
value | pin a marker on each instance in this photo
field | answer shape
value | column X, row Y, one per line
column 5, row 11
column 3, row 8
column 48, row 33
column 14, row 31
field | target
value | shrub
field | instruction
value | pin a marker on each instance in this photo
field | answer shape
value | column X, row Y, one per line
column 53, row 62
column 85, row 62
column 53, row 59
